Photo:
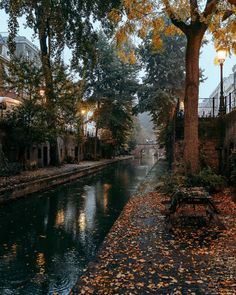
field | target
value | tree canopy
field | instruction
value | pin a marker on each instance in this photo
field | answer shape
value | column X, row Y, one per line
column 112, row 85
column 192, row 18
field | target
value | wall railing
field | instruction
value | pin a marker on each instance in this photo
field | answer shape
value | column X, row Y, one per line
column 209, row 107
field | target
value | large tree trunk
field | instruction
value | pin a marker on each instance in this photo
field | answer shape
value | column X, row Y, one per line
column 96, row 134
column 191, row 146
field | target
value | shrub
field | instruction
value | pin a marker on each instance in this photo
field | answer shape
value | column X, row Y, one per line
column 208, row 179
column 11, row 169
column 233, row 168
column 70, row 160
column 15, row 168
column 4, row 165
column 171, row 182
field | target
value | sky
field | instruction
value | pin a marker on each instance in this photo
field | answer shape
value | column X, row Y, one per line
column 211, row 71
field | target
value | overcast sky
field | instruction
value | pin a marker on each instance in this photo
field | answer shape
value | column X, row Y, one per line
column 211, row 71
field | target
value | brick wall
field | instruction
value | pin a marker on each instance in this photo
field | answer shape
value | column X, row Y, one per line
column 208, row 151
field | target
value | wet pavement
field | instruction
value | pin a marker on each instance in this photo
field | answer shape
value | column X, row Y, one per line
column 143, row 254
column 31, row 175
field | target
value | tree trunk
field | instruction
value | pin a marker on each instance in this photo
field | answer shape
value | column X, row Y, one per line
column 96, row 143
column 96, row 134
column 191, row 146
column 43, row 27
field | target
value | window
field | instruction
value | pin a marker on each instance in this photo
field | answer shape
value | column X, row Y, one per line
column 28, row 154
column 39, row 154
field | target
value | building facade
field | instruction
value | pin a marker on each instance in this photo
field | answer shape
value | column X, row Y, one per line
column 209, row 107
column 39, row 155
column 25, row 49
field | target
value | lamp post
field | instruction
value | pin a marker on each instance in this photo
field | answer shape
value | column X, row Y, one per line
column 221, row 56
column 83, row 113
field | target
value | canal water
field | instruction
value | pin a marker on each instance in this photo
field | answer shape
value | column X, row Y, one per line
column 48, row 239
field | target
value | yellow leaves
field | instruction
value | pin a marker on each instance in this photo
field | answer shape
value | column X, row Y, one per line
column 140, row 284
column 172, row 31
column 162, row 284
column 137, row 9
column 151, row 286
column 129, row 28
column 120, row 275
column 121, row 37
column 123, row 34
column 180, row 9
column 142, row 33
column 224, row 32
column 127, row 57
column 115, row 15
column 220, row 34
column 157, row 42
column 87, row 290
column 158, row 24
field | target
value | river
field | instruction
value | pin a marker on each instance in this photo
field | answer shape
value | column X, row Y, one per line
column 47, row 239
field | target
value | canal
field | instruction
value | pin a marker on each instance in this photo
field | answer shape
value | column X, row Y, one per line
column 48, row 239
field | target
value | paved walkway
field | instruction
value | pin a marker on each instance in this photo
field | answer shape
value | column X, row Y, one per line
column 31, row 175
column 142, row 255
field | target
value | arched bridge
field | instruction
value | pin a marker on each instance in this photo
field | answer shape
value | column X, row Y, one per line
column 142, row 148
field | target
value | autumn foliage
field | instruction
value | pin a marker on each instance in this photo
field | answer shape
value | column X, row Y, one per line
column 193, row 19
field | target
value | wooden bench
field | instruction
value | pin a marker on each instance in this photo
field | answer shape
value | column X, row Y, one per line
column 192, row 196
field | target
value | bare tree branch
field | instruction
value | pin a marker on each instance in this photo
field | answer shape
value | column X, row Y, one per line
column 233, row 2
column 228, row 13
column 194, row 10
column 210, row 7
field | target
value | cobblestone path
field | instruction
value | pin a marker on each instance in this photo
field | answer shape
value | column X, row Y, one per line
column 142, row 255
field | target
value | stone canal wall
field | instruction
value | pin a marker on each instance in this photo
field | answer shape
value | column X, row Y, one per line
column 14, row 191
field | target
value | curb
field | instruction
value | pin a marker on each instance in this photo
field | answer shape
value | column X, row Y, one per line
column 47, row 182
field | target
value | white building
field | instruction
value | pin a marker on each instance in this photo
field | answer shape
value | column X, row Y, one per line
column 8, row 104
column 4, row 52
column 210, row 106
column 25, row 49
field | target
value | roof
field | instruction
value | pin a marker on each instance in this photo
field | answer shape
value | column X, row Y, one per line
column 2, row 40
column 9, row 100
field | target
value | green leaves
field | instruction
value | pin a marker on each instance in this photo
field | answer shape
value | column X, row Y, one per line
column 163, row 82
column 113, row 85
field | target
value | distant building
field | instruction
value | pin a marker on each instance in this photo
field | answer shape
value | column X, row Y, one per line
column 4, row 60
column 4, row 53
column 8, row 104
column 25, row 49
column 37, row 155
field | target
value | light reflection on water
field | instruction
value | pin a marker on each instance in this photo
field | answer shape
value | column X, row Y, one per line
column 47, row 240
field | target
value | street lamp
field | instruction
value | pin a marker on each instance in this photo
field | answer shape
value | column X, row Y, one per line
column 83, row 113
column 221, row 56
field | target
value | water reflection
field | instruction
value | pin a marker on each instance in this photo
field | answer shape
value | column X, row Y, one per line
column 48, row 239
column 40, row 261
column 60, row 218
column 106, row 189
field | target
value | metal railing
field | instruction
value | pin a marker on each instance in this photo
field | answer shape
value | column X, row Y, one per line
column 209, row 107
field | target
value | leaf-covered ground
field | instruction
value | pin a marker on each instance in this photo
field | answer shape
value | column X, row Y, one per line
column 144, row 255
column 31, row 175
